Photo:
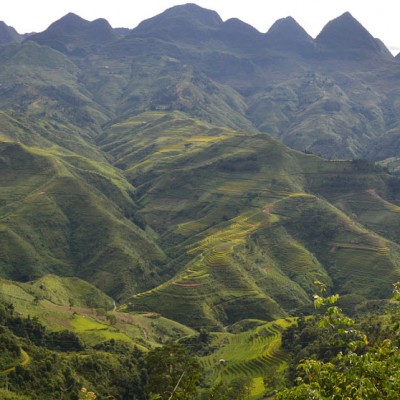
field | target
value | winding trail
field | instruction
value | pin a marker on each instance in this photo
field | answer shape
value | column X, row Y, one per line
column 186, row 284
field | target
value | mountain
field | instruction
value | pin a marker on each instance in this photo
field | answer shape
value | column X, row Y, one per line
column 8, row 34
column 152, row 163
column 86, row 218
column 240, row 35
column 286, row 33
column 345, row 35
column 73, row 35
column 185, row 22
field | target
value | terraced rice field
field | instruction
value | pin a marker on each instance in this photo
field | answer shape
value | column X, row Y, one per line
column 234, row 234
column 213, row 282
column 253, row 354
column 191, row 227
column 238, row 186
column 366, row 267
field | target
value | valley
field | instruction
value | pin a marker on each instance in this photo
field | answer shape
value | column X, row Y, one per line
column 188, row 181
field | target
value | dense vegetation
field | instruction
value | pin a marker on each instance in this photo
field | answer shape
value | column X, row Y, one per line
column 338, row 358
column 43, row 365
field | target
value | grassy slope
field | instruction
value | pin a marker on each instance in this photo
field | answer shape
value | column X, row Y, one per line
column 71, row 303
column 70, row 215
column 259, row 239
column 6, row 395
column 338, row 118
column 43, row 103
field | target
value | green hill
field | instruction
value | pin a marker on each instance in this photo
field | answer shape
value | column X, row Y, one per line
column 70, row 216
column 243, row 220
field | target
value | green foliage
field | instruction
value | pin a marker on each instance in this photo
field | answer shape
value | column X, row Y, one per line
column 172, row 373
column 237, row 389
column 355, row 372
column 10, row 350
column 373, row 375
column 7, row 395
column 32, row 329
column 54, row 364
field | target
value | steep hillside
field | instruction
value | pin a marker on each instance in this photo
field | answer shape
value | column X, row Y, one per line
column 70, row 216
column 241, row 218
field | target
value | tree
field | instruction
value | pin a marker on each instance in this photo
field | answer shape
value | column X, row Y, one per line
column 359, row 372
column 173, row 373
column 111, row 318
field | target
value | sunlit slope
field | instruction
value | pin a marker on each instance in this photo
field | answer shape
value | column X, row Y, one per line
column 70, row 303
column 242, row 220
column 70, row 216
column 254, row 353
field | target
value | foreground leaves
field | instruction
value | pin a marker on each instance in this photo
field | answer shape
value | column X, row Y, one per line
column 356, row 372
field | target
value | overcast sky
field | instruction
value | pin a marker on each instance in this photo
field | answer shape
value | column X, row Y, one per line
column 379, row 17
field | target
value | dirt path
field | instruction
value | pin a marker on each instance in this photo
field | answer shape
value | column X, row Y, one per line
column 25, row 361
column 186, row 284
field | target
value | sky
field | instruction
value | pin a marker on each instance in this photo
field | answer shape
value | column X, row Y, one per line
column 380, row 18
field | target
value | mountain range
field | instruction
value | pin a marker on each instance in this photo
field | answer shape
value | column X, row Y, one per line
column 198, row 168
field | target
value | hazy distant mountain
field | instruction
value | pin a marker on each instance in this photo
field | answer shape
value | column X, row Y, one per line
column 287, row 34
column 186, row 22
column 345, row 35
column 8, row 34
column 73, row 34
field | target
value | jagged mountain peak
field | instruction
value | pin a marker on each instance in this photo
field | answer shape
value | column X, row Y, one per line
column 239, row 34
column 179, row 22
column 345, row 33
column 72, row 32
column 194, row 11
column 287, row 31
column 8, row 34
column 69, row 21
